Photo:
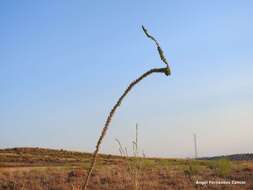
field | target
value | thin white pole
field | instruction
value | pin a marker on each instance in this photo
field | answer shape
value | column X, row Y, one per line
column 195, row 145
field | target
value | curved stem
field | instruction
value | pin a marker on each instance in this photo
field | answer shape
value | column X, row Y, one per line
column 109, row 118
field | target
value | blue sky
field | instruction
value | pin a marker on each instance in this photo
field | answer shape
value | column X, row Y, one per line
column 63, row 64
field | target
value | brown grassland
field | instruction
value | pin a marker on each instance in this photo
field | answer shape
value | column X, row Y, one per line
column 47, row 169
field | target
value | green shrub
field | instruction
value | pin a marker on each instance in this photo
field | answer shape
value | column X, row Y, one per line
column 193, row 168
column 223, row 167
column 148, row 163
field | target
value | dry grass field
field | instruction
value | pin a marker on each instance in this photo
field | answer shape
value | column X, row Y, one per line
column 46, row 169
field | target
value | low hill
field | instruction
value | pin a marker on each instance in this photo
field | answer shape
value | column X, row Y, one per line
column 236, row 157
column 40, row 168
column 42, row 156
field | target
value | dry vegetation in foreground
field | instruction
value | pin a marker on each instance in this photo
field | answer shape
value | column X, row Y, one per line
column 46, row 169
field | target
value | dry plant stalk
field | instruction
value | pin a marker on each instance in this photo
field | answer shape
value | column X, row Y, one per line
column 134, row 163
column 121, row 150
column 165, row 70
column 136, row 160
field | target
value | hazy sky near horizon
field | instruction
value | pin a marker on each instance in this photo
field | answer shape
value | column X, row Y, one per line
column 63, row 64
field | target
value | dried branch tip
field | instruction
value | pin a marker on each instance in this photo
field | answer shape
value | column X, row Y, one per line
column 160, row 51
